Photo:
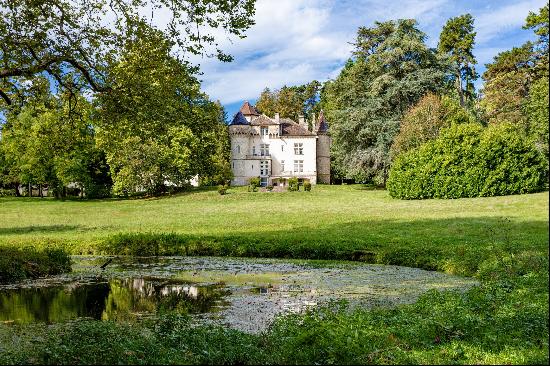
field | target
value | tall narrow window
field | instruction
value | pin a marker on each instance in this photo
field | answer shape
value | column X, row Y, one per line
column 282, row 147
column 282, row 165
column 264, row 131
column 264, row 149
column 264, row 168
column 298, row 166
column 238, row 149
column 254, row 150
column 298, row 148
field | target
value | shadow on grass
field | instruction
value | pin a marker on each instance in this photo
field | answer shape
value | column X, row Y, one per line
column 430, row 244
column 37, row 229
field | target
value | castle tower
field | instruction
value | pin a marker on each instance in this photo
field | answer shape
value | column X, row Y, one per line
column 323, row 149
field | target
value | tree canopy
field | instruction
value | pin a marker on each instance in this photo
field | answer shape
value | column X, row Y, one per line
column 391, row 70
column 457, row 41
column 74, row 41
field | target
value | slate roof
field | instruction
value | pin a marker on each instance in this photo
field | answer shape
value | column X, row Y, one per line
column 291, row 128
column 239, row 120
column 248, row 110
column 262, row 120
column 322, row 124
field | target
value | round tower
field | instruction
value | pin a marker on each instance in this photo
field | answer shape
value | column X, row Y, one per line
column 323, row 149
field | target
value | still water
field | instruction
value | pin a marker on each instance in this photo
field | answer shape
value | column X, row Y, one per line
column 245, row 294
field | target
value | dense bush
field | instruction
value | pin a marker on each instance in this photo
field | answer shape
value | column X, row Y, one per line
column 307, row 186
column 222, row 189
column 293, row 184
column 19, row 264
column 423, row 122
column 469, row 161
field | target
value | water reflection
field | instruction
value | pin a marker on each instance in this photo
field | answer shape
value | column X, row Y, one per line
column 117, row 299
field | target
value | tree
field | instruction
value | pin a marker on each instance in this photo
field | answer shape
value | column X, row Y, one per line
column 391, row 70
column 74, row 41
column 539, row 24
column 457, row 41
column 507, row 82
column 509, row 78
column 425, row 120
column 536, row 109
column 42, row 146
column 267, row 102
column 157, row 129
column 291, row 101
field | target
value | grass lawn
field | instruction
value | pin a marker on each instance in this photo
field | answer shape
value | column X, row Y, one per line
column 347, row 217
column 502, row 241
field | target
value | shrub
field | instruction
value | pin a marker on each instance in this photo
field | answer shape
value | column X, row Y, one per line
column 253, row 184
column 307, row 186
column 19, row 264
column 469, row 161
column 222, row 189
column 293, row 184
column 269, row 188
column 6, row 192
column 424, row 121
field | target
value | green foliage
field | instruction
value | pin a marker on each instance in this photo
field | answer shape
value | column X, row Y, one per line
column 536, row 110
column 391, row 70
column 423, row 122
column 456, row 41
column 73, row 42
column 307, row 186
column 539, row 24
column 269, row 188
column 144, row 148
column 45, row 144
column 222, row 189
column 506, row 85
column 293, row 185
column 253, row 184
column 290, row 102
column 29, row 263
column 469, row 161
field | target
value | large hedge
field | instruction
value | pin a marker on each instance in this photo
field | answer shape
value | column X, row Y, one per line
column 469, row 161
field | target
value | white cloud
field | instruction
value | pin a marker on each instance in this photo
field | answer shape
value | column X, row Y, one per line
column 296, row 41
column 491, row 23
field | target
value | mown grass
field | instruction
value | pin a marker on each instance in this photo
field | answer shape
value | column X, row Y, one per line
column 330, row 222
column 502, row 241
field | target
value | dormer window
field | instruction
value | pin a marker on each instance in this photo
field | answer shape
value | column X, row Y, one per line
column 264, row 131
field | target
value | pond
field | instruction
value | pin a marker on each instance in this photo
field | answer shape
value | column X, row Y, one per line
column 241, row 293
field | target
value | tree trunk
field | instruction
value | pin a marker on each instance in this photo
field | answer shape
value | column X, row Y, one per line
column 16, row 186
column 30, row 190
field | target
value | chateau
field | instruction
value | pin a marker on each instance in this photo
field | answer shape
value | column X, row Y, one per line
column 276, row 149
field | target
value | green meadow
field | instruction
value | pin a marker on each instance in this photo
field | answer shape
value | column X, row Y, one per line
column 501, row 241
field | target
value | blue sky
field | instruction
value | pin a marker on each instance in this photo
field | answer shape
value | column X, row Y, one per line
column 296, row 41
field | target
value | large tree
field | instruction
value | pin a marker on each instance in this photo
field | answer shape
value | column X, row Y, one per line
column 391, row 70
column 291, row 101
column 74, row 41
column 509, row 78
column 156, row 128
column 424, row 121
column 457, row 41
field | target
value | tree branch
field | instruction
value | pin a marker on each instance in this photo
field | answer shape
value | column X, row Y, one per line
column 5, row 97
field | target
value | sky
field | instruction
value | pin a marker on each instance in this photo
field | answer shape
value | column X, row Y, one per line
column 296, row 41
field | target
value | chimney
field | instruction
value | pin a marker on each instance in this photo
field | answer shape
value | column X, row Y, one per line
column 277, row 117
column 302, row 122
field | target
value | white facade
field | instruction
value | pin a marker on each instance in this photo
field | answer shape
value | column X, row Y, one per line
column 271, row 148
